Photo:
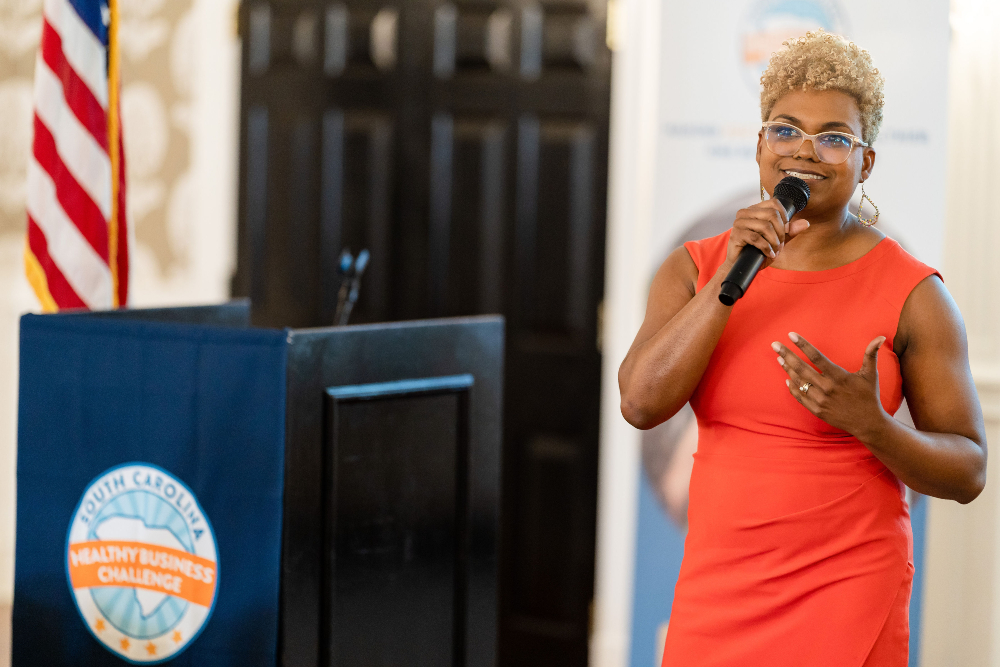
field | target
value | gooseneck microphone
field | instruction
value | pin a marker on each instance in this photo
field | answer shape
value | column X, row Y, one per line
column 793, row 194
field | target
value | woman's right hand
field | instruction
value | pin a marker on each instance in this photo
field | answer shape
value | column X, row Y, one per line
column 764, row 226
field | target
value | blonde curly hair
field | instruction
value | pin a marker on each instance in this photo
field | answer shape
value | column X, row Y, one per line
column 823, row 61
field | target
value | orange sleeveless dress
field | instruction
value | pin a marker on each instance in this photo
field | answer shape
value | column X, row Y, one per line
column 799, row 551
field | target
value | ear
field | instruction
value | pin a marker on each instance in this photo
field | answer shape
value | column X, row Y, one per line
column 867, row 164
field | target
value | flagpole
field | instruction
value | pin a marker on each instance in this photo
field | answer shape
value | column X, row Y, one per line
column 113, row 130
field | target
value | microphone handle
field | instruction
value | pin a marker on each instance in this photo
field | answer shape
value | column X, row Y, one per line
column 746, row 266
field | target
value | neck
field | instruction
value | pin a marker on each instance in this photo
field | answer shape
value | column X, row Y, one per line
column 832, row 239
column 826, row 229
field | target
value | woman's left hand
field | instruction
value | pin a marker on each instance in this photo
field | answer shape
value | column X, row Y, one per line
column 848, row 401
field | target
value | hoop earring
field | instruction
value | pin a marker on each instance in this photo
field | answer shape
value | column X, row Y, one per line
column 762, row 192
column 867, row 222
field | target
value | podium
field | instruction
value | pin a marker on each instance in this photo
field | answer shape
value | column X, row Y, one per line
column 198, row 492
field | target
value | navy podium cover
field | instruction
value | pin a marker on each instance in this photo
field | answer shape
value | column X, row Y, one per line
column 149, row 493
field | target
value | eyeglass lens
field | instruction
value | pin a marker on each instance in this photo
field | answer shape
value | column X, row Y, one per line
column 830, row 147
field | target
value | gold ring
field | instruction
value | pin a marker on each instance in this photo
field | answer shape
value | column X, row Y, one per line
column 805, row 387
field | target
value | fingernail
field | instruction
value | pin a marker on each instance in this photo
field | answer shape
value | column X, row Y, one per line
column 788, row 383
column 776, row 347
column 794, row 337
column 781, row 362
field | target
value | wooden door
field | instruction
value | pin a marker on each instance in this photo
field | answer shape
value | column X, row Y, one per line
column 464, row 144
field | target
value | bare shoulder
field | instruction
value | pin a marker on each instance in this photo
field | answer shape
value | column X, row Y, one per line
column 930, row 319
column 678, row 273
column 934, row 363
column 675, row 283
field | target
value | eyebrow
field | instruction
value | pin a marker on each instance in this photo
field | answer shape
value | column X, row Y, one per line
column 826, row 126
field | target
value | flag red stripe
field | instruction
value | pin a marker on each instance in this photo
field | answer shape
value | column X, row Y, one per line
column 123, row 246
column 75, row 201
column 59, row 288
column 78, row 96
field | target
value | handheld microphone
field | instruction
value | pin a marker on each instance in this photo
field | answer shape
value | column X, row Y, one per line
column 793, row 194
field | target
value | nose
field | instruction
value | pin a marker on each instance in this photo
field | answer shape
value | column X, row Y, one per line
column 807, row 153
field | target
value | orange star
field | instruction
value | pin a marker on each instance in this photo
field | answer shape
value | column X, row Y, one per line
column 100, row 624
column 177, row 636
column 151, row 648
column 125, row 643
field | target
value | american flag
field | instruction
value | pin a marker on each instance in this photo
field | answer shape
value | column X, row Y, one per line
column 76, row 254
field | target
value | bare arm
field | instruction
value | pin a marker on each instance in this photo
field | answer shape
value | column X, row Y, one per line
column 674, row 344
column 945, row 455
column 681, row 328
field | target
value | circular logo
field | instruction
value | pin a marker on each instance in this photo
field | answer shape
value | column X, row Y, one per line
column 142, row 563
column 771, row 22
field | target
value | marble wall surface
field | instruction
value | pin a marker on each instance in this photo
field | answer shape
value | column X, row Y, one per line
column 180, row 97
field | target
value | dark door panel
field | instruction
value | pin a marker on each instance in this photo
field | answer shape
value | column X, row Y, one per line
column 464, row 144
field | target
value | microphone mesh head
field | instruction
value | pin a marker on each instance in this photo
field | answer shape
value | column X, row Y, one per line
column 794, row 190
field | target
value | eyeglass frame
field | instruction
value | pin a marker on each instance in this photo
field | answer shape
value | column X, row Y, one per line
column 855, row 141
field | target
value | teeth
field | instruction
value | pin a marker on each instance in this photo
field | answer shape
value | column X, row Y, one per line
column 805, row 177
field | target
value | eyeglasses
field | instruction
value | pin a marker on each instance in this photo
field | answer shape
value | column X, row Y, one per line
column 831, row 147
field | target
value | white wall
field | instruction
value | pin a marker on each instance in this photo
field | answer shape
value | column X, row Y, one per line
column 16, row 297
column 631, row 201
column 962, row 604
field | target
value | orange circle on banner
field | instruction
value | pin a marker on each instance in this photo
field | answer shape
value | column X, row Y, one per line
column 142, row 563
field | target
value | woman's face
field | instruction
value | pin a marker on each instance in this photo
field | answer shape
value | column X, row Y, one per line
column 831, row 185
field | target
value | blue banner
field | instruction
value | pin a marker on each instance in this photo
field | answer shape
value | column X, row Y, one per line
column 149, row 493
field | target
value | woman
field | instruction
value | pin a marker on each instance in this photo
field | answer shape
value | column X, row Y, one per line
column 799, row 549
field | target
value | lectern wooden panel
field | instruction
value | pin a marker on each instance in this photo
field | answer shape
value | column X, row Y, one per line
column 350, row 475
column 396, row 542
column 404, row 492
